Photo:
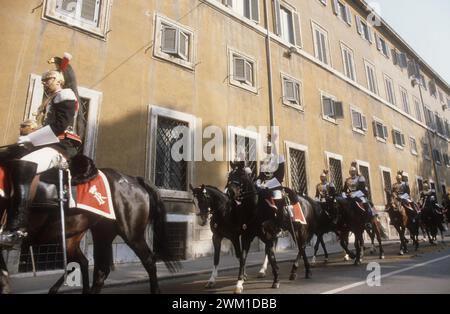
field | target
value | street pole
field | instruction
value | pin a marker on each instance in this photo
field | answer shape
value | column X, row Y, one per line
column 429, row 140
column 269, row 66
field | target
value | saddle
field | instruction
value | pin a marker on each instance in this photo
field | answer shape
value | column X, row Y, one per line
column 82, row 170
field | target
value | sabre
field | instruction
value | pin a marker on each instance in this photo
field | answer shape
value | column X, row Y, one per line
column 63, row 224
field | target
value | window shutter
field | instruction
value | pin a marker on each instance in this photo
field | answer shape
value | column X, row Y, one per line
column 403, row 60
column 385, row 130
column 375, row 129
column 169, row 39
column 297, row 93
column 289, row 90
column 355, row 120
column 247, row 13
column 277, row 17
column 298, row 36
column 228, row 3
column 364, row 122
column 348, row 15
column 358, row 25
column 248, row 72
column 35, row 95
column 89, row 10
column 327, row 106
column 395, row 57
column 255, row 11
column 184, row 45
column 335, row 7
column 239, row 69
column 411, row 68
column 377, row 39
column 338, row 109
column 403, row 139
column 369, row 31
column 393, row 137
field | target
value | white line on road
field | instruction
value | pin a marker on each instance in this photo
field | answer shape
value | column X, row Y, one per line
column 360, row 283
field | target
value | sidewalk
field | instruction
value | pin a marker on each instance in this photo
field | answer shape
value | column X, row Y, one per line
column 135, row 273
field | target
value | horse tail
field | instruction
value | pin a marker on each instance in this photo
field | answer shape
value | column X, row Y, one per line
column 160, row 235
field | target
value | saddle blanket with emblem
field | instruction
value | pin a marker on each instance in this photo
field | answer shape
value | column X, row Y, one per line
column 3, row 182
column 95, row 197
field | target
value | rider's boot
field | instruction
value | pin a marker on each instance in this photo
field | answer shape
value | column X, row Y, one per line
column 22, row 174
column 369, row 215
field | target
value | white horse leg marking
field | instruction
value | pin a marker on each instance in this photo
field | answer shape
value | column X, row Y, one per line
column 262, row 271
column 212, row 280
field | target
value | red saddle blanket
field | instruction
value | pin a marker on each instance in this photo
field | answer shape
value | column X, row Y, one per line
column 297, row 211
column 93, row 196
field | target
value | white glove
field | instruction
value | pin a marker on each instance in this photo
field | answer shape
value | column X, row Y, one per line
column 23, row 140
column 258, row 183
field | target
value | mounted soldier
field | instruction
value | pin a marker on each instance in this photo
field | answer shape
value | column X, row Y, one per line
column 355, row 189
column 270, row 179
column 324, row 191
column 51, row 143
column 401, row 192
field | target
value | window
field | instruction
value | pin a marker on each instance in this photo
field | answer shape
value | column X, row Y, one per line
column 331, row 108
column 321, row 47
column 297, row 167
column 342, row 11
column 247, row 8
column 429, row 118
column 419, row 184
column 446, row 160
column 399, row 58
column 405, row 101
column 169, row 129
column 382, row 45
column 437, row 156
column 335, row 166
column 432, row 88
column 287, row 23
column 348, row 61
column 87, row 15
column 380, row 130
column 448, row 103
column 441, row 96
column 399, row 138
column 413, row 145
column 242, row 71
column 439, row 124
column 364, row 170
column 86, row 125
column 386, row 183
column 174, row 42
column 291, row 92
column 417, row 107
column 371, row 78
column 244, row 142
column 447, row 129
column 426, row 150
column 359, row 121
column 364, row 29
column 390, row 95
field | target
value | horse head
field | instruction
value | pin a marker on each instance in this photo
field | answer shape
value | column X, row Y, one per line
column 202, row 202
column 240, row 187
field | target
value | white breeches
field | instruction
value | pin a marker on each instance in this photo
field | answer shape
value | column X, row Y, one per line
column 45, row 158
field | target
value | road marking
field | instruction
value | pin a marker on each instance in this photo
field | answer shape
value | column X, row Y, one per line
column 360, row 283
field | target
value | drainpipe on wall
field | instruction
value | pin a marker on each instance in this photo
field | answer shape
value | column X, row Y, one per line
column 437, row 183
column 269, row 66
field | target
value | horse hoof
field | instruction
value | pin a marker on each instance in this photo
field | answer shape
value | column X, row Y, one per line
column 382, row 256
column 346, row 257
column 262, row 274
column 401, row 252
column 308, row 274
column 238, row 290
column 293, row 276
column 313, row 260
column 357, row 263
column 210, row 284
column 245, row 277
column 276, row 285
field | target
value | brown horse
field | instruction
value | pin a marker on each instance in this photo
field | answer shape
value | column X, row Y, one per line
column 136, row 203
column 403, row 219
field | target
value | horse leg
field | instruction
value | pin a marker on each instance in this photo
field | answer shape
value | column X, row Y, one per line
column 344, row 244
column 359, row 244
column 316, row 247
column 262, row 271
column 103, row 256
column 270, row 252
column 4, row 276
column 377, row 234
column 245, row 241
column 74, row 254
column 322, row 242
column 217, row 241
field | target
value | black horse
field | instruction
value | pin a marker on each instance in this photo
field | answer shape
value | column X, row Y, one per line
column 261, row 224
column 136, row 203
column 432, row 218
column 224, row 221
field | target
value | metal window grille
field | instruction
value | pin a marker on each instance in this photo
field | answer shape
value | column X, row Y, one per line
column 169, row 174
column 82, row 119
column 336, row 174
column 297, row 169
column 177, row 232
column 47, row 257
column 387, row 181
column 247, row 146
column 364, row 171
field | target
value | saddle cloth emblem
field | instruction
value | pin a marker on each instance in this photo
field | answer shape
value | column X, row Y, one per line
column 3, row 182
column 298, row 214
column 95, row 197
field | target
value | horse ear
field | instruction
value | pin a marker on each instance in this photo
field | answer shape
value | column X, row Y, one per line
column 203, row 186
column 191, row 187
column 231, row 164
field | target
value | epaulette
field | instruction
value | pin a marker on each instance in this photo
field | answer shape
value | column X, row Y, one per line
column 64, row 95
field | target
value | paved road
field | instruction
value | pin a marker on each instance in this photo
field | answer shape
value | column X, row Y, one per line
column 427, row 271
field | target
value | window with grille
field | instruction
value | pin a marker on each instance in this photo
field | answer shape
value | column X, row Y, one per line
column 174, row 42
column 321, row 47
column 371, row 78
column 87, row 15
column 291, row 92
column 364, row 171
column 246, row 147
column 46, row 257
column 387, row 181
column 242, row 71
column 169, row 174
column 349, row 63
column 297, row 169
column 336, row 174
column 359, row 121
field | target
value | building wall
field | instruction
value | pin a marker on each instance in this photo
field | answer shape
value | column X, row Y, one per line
column 124, row 68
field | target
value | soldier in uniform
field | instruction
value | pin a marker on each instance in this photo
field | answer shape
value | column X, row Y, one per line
column 427, row 200
column 270, row 178
column 325, row 190
column 52, row 143
column 401, row 191
column 355, row 188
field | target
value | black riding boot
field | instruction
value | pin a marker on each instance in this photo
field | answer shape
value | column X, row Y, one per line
column 22, row 174
column 369, row 215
